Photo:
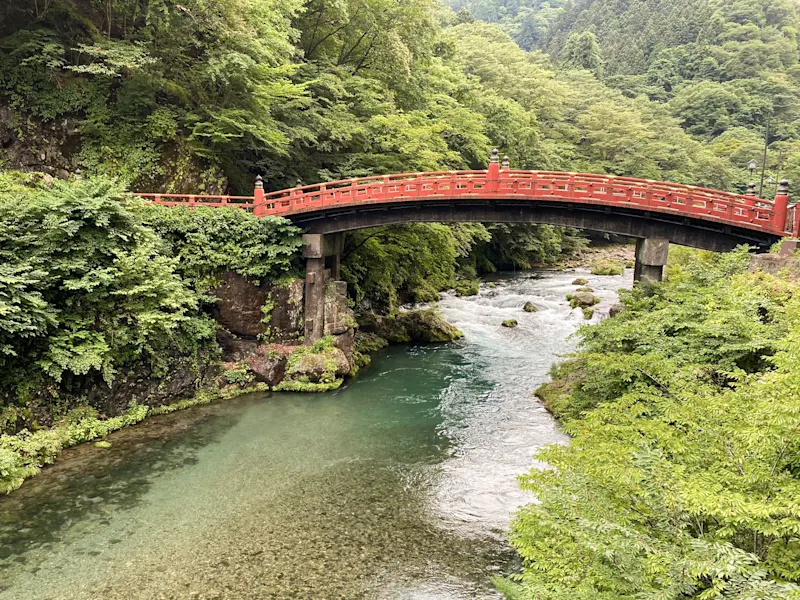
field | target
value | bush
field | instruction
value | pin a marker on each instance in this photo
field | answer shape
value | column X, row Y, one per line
column 85, row 291
column 466, row 287
column 607, row 268
column 684, row 411
column 208, row 241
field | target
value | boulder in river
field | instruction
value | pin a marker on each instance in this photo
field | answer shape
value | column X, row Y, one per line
column 582, row 300
column 580, row 281
column 529, row 307
column 605, row 267
column 268, row 364
column 411, row 326
column 316, row 368
column 510, row 323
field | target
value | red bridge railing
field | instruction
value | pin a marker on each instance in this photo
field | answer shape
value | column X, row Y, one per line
column 746, row 211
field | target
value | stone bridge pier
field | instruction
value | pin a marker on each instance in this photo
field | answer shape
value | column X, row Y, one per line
column 323, row 254
column 651, row 257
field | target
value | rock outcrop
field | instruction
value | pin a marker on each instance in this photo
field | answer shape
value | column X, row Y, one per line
column 773, row 264
column 262, row 325
column 425, row 326
column 265, row 312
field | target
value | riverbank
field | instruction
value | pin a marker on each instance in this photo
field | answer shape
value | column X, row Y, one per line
column 599, row 253
column 683, row 412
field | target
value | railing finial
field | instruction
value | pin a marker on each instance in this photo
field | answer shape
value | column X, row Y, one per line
column 751, row 190
column 259, row 182
column 783, row 186
column 506, row 162
column 298, row 183
column 495, row 156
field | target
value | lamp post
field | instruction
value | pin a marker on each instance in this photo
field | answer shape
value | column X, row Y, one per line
column 751, row 167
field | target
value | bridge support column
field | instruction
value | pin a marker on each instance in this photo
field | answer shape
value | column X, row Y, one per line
column 651, row 256
column 323, row 258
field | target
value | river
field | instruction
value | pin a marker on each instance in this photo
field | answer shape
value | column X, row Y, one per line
column 400, row 485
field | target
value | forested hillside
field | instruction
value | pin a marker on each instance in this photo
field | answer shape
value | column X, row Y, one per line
column 726, row 70
column 202, row 96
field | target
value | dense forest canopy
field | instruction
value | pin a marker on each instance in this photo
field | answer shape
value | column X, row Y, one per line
column 202, row 96
column 726, row 70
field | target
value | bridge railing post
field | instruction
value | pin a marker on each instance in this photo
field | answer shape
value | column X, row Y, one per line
column 493, row 173
column 259, row 206
column 781, row 207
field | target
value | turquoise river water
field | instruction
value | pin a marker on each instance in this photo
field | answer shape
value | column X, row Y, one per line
column 399, row 486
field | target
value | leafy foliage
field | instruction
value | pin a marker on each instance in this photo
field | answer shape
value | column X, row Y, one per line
column 94, row 285
column 208, row 241
column 85, row 290
column 681, row 477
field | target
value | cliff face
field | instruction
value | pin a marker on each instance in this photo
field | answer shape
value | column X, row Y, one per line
column 43, row 147
column 269, row 312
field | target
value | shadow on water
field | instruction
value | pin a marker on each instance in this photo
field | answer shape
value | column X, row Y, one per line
column 88, row 483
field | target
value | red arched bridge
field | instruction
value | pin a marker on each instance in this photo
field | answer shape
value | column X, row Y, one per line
column 654, row 212
column 684, row 214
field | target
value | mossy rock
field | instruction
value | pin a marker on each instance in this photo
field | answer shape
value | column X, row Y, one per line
column 585, row 289
column 491, row 286
column 316, row 368
column 580, row 281
column 425, row 326
column 588, row 313
column 529, row 307
column 583, row 300
column 428, row 326
column 607, row 268
column 467, row 287
column 102, row 444
column 369, row 342
column 510, row 323
column 308, row 386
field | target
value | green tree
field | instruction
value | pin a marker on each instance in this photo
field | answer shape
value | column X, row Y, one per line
column 582, row 52
column 85, row 292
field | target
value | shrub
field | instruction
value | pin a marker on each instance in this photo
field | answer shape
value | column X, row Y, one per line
column 85, row 291
column 467, row 287
column 607, row 268
column 684, row 413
